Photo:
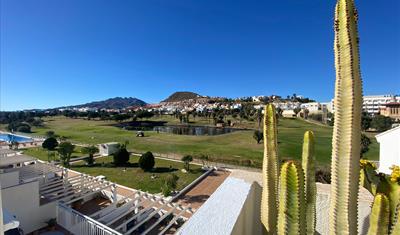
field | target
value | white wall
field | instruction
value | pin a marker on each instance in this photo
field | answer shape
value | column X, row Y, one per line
column 231, row 210
column 9, row 179
column 24, row 201
column 389, row 153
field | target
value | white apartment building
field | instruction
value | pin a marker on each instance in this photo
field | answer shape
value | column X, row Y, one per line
column 373, row 103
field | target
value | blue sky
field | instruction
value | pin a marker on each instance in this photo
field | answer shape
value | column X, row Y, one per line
column 61, row 52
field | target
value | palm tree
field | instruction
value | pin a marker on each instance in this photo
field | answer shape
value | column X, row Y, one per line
column 91, row 150
column 65, row 149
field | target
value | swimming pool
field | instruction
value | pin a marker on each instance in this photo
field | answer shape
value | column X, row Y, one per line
column 16, row 138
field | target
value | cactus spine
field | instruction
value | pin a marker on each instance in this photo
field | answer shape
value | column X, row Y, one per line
column 308, row 166
column 379, row 218
column 270, row 171
column 291, row 216
column 347, row 128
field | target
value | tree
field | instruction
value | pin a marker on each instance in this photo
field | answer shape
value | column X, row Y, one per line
column 19, row 126
column 121, row 157
column 170, row 184
column 258, row 136
column 65, row 149
column 50, row 134
column 91, row 150
column 146, row 161
column 365, row 142
column 296, row 110
column 381, row 123
column 259, row 117
column 50, row 144
column 365, row 121
column 186, row 160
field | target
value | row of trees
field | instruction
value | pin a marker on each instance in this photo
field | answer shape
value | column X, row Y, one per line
column 377, row 122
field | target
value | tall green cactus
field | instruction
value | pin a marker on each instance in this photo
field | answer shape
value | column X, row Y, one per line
column 308, row 166
column 347, row 128
column 379, row 218
column 270, row 171
column 291, row 209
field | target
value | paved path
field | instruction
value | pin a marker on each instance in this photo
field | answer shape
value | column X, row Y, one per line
column 203, row 190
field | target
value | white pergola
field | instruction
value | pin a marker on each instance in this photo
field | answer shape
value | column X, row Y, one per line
column 140, row 208
column 71, row 189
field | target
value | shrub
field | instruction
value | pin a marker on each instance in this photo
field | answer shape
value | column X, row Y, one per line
column 24, row 128
column 170, row 184
column 381, row 123
column 50, row 134
column 50, row 143
column 258, row 136
column 186, row 160
column 121, row 157
column 365, row 142
column 323, row 175
column 146, row 161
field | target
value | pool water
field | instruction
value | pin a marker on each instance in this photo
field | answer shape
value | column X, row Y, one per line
column 16, row 138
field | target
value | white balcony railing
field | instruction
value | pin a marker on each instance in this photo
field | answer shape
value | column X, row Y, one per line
column 80, row 224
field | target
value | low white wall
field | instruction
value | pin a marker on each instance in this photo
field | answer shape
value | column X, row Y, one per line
column 231, row 210
column 249, row 221
column 23, row 201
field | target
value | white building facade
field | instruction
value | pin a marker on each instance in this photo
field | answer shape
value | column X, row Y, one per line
column 373, row 103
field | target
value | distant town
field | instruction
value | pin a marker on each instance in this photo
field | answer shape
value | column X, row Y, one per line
column 291, row 106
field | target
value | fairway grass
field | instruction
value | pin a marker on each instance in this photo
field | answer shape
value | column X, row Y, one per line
column 237, row 146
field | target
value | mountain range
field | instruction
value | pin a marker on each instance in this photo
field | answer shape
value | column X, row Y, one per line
column 112, row 103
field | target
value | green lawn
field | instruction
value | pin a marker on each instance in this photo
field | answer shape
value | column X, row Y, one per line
column 42, row 154
column 234, row 147
column 133, row 177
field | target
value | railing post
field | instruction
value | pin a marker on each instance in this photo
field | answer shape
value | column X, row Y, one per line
column 114, row 197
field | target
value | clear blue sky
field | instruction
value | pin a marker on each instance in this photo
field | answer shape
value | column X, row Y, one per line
column 61, row 52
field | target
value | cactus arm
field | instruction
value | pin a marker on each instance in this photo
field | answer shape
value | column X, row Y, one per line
column 270, row 171
column 369, row 179
column 308, row 166
column 396, row 225
column 291, row 216
column 347, row 128
column 379, row 218
column 394, row 198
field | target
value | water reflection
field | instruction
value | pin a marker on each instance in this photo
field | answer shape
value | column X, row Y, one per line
column 194, row 130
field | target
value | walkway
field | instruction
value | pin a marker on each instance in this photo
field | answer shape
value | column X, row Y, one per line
column 203, row 190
